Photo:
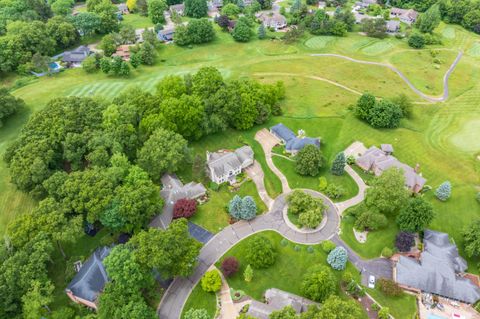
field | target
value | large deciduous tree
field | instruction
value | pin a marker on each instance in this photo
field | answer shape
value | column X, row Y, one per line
column 8, row 105
column 196, row 8
column 309, row 161
column 319, row 283
column 387, row 193
column 471, row 238
column 261, row 252
column 417, row 215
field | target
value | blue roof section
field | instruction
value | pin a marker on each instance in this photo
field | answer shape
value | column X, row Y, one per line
column 199, row 233
column 89, row 282
column 283, row 132
column 297, row 143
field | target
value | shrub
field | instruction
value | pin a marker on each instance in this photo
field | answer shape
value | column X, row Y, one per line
column 214, row 186
column 387, row 252
column 229, row 266
column 347, row 277
column 322, row 183
column 248, row 273
column 319, row 283
column 297, row 248
column 338, row 165
column 245, row 208
column 184, row 208
column 193, row 313
column 384, row 313
column 416, row 41
column 375, row 307
column 211, row 281
column 310, row 249
column 338, row 258
column 334, row 191
column 284, row 242
column 404, row 241
column 444, row 191
column 354, row 289
column 309, row 161
column 389, row 287
column 260, row 253
column 369, row 220
column 328, row 246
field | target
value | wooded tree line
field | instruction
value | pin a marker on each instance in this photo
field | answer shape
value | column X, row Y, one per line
column 96, row 161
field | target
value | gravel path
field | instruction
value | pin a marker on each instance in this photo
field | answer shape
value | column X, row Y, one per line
column 429, row 98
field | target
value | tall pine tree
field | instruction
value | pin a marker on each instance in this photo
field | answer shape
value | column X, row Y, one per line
column 338, row 165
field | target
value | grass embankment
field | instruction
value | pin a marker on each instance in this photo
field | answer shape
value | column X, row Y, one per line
column 200, row 299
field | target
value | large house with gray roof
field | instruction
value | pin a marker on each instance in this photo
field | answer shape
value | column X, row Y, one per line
column 276, row 299
column 90, row 280
column 223, row 166
column 293, row 144
column 440, row 270
column 379, row 160
column 75, row 57
column 172, row 191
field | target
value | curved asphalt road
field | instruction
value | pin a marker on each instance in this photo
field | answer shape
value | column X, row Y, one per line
column 442, row 98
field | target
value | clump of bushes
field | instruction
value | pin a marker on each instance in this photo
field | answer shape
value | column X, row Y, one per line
column 260, row 253
column 389, row 287
column 308, row 209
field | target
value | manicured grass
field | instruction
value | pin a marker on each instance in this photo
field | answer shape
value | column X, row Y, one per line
column 137, row 21
column 287, row 272
column 378, row 47
column 200, row 299
column 404, row 306
column 474, row 50
column 213, row 215
column 376, row 240
column 320, row 42
column 312, row 182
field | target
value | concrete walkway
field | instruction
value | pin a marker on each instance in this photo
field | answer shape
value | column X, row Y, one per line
column 429, row 98
column 255, row 172
column 362, row 187
column 228, row 309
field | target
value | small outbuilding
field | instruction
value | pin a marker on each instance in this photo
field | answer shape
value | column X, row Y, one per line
column 393, row 26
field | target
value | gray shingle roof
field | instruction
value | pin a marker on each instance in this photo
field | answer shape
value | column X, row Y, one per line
column 222, row 162
column 283, row 132
column 89, row 282
column 77, row 55
column 438, row 270
column 298, row 143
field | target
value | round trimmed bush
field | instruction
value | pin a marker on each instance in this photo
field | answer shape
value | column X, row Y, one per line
column 229, row 266
column 338, row 258
column 260, row 253
column 387, row 252
column 328, row 246
column 211, row 281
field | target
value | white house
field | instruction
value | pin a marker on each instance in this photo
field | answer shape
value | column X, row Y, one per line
column 224, row 166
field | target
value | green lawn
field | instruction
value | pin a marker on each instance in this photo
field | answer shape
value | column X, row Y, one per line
column 137, row 21
column 404, row 306
column 213, row 215
column 200, row 299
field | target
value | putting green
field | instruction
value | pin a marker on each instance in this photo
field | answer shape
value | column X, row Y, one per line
column 319, row 42
column 474, row 50
column 467, row 138
column 448, row 33
column 274, row 48
column 377, row 48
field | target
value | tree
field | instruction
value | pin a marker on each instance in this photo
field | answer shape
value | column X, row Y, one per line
column 62, row 31
column 248, row 274
column 164, row 151
column 286, row 313
column 260, row 252
column 336, row 308
column 199, row 31
column 131, row 5
column 62, row 7
column 319, row 283
column 37, row 299
column 230, row 10
column 249, row 208
column 471, row 238
column 309, row 160
column 387, row 193
column 211, row 281
column 242, row 32
column 338, row 165
column 155, row 11
column 417, row 215
column 338, row 258
column 334, row 191
column 223, row 22
column 86, row 23
column 404, row 241
column 147, row 53
column 193, row 313
column 206, row 82
column 229, row 266
column 370, row 220
column 9, row 105
column 108, row 45
column 429, row 20
column 105, row 65
column 172, row 252
column 135, row 60
column 375, row 28
column 184, row 208
column 444, row 191
column 262, row 33
column 309, row 209
column 405, row 104
column 385, row 114
column 416, row 41
column 196, row 8
column 364, row 106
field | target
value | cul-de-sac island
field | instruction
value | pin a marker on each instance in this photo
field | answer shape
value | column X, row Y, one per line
column 239, row 159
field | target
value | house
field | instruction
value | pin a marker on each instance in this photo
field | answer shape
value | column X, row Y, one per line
column 177, row 8
column 407, row 16
column 74, row 58
column 293, row 144
column 271, row 19
column 377, row 161
column 123, row 51
column 224, row 166
column 276, row 299
column 166, row 35
column 393, row 26
column 322, row 4
column 215, row 4
column 90, row 280
column 122, row 8
column 440, row 270
column 172, row 191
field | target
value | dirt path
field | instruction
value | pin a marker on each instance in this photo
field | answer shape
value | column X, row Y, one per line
column 429, row 98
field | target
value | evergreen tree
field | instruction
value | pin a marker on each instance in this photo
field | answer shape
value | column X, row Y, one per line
column 338, row 258
column 235, row 207
column 262, row 34
column 296, row 6
column 248, row 273
column 249, row 208
column 444, row 191
column 338, row 165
